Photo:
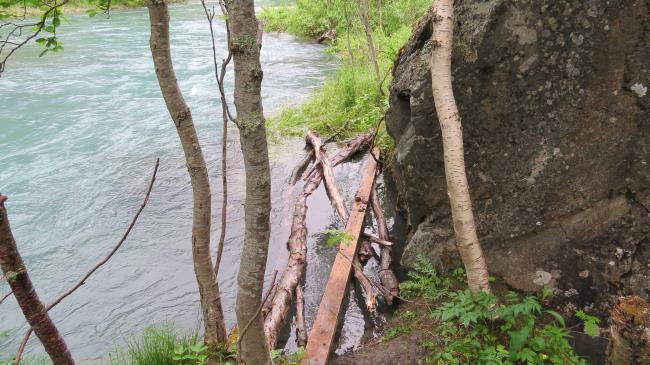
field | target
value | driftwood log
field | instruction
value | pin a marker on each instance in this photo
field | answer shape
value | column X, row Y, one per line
column 365, row 248
column 301, row 327
column 278, row 307
column 324, row 328
column 328, row 174
column 386, row 274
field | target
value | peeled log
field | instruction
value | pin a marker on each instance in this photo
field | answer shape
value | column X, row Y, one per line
column 326, row 166
column 629, row 333
column 365, row 251
column 297, row 244
column 386, row 274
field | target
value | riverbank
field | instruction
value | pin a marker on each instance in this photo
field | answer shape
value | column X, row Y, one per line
column 80, row 7
column 355, row 97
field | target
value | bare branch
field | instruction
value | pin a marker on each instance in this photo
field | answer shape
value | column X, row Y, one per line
column 6, row 296
column 82, row 281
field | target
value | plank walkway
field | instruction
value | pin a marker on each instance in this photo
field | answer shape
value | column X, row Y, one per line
column 324, row 330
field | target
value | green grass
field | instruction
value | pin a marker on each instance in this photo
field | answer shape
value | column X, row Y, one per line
column 352, row 99
column 155, row 346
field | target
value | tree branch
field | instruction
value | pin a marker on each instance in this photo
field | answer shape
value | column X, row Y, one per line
column 82, row 281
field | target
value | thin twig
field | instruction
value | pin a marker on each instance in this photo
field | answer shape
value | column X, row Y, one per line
column 6, row 296
column 210, row 14
column 257, row 313
column 81, row 282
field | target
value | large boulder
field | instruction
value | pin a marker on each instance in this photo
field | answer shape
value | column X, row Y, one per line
column 555, row 110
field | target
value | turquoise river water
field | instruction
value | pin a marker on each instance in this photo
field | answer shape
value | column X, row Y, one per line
column 79, row 134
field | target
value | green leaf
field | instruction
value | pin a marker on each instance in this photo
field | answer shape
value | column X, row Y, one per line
column 49, row 29
column 56, row 22
column 91, row 12
column 43, row 53
column 41, row 41
column 557, row 316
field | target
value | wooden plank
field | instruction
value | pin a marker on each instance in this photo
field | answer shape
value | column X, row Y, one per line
column 324, row 328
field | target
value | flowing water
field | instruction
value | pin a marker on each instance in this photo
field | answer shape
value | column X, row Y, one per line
column 79, row 134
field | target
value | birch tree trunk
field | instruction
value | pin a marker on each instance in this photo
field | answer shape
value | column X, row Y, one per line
column 452, row 139
column 13, row 268
column 372, row 52
column 213, row 321
column 245, row 47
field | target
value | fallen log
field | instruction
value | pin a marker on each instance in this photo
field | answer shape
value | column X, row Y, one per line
column 386, row 274
column 377, row 240
column 301, row 328
column 297, row 244
column 301, row 167
column 370, row 293
column 359, row 143
column 365, row 250
column 326, row 166
column 324, row 328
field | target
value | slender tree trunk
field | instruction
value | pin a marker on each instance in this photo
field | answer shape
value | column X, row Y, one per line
column 452, row 138
column 213, row 321
column 371, row 44
column 245, row 47
column 15, row 271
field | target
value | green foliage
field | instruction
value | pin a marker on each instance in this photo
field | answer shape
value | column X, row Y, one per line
column 396, row 331
column 192, row 354
column 424, row 282
column 336, row 237
column 480, row 328
column 161, row 345
column 590, row 322
column 290, row 359
column 547, row 293
column 484, row 328
column 352, row 99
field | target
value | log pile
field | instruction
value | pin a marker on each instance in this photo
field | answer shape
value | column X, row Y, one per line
column 276, row 307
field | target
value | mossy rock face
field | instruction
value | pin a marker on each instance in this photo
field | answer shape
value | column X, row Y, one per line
column 557, row 137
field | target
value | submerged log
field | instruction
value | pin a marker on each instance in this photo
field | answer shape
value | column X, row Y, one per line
column 386, row 274
column 301, row 328
column 324, row 329
column 629, row 332
column 297, row 244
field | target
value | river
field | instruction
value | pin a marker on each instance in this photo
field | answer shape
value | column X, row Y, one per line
column 79, row 133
